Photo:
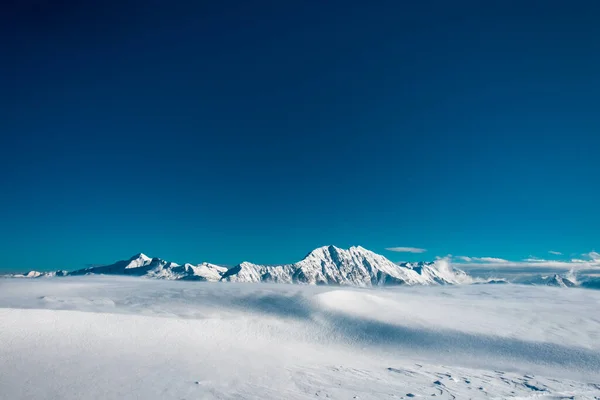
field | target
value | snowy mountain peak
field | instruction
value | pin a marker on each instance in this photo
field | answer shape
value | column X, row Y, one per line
column 560, row 281
column 321, row 252
column 140, row 260
column 331, row 252
column 360, row 249
column 140, row 256
column 354, row 266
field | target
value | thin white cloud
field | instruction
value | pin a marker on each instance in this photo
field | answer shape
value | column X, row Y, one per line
column 490, row 260
column 556, row 253
column 589, row 260
column 481, row 259
column 534, row 260
column 406, row 249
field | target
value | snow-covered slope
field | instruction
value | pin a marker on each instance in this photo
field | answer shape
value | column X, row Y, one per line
column 114, row 337
column 327, row 265
column 248, row 272
column 357, row 266
column 201, row 272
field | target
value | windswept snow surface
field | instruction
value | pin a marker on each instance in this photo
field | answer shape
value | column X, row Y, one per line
column 115, row 337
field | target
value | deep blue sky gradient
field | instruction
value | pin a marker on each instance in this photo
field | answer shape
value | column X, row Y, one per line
column 230, row 131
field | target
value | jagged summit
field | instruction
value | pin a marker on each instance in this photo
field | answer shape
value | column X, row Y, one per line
column 331, row 249
column 354, row 266
column 319, row 250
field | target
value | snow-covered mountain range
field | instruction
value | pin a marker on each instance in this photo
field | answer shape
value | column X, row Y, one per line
column 328, row 265
column 558, row 280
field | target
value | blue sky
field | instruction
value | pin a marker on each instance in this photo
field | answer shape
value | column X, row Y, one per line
column 259, row 131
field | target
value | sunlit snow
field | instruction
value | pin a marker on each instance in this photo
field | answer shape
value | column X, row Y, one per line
column 112, row 337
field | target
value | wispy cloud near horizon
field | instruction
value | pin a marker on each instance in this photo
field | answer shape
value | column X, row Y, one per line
column 406, row 249
column 491, row 260
column 556, row 253
column 589, row 260
column 481, row 259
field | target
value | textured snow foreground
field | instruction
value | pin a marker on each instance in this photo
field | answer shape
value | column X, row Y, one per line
column 100, row 337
